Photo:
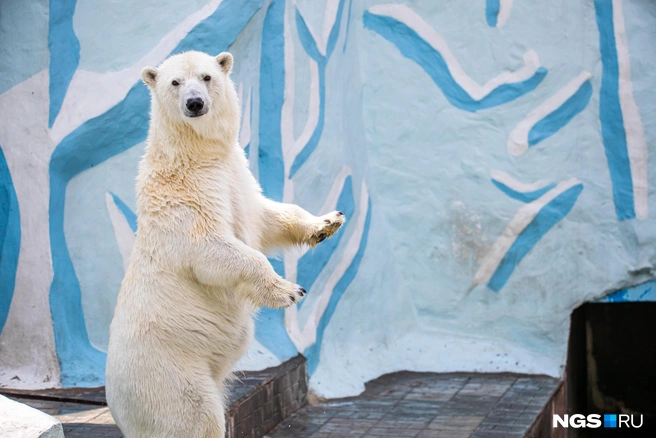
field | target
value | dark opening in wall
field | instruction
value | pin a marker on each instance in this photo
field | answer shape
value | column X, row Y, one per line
column 611, row 367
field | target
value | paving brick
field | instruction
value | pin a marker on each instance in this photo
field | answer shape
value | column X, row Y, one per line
column 442, row 434
column 392, row 432
column 401, row 424
column 423, row 405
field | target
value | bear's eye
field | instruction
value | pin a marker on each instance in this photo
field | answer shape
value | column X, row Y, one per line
column 207, row 78
column 175, row 83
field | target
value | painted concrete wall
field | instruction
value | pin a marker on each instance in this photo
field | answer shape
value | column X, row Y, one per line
column 492, row 158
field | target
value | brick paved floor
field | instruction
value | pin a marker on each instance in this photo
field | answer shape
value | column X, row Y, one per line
column 426, row 405
column 421, row 405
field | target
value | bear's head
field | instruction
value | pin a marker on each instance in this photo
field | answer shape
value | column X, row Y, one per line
column 195, row 88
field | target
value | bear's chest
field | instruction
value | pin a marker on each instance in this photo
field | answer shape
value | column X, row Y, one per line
column 227, row 201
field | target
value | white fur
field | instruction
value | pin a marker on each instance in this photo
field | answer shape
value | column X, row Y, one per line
column 197, row 271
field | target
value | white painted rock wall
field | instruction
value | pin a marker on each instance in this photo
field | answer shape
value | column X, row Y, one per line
column 493, row 159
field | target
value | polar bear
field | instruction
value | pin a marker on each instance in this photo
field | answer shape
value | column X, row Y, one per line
column 198, row 271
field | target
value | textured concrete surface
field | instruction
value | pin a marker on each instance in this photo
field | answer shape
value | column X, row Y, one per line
column 427, row 405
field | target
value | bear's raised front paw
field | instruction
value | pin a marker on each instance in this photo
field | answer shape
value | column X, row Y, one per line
column 328, row 226
column 285, row 294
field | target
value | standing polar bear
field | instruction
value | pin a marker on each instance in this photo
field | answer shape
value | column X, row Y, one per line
column 197, row 273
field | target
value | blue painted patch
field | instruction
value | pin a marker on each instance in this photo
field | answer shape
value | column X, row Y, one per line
column 270, row 326
column 64, row 53
column 128, row 214
column 522, row 196
column 561, row 116
column 547, row 217
column 610, row 114
column 642, row 292
column 10, row 238
column 413, row 47
column 313, row 262
column 313, row 352
column 271, row 166
column 492, row 8
column 120, row 128
column 310, row 46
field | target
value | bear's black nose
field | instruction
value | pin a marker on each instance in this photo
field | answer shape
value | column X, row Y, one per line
column 195, row 104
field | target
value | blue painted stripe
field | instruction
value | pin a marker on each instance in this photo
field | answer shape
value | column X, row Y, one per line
column 120, row 128
column 413, row 47
column 271, row 166
column 271, row 333
column 312, row 143
column 64, row 53
column 313, row 262
column 547, row 217
column 610, row 114
column 647, row 295
column 492, row 8
column 307, row 40
column 313, row 352
column 310, row 46
column 123, row 126
column 270, row 325
column 561, row 116
column 10, row 238
column 522, row 196
column 620, row 296
column 348, row 25
column 334, row 32
column 217, row 32
column 643, row 292
column 128, row 214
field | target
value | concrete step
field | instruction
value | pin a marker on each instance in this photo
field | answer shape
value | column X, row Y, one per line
column 265, row 398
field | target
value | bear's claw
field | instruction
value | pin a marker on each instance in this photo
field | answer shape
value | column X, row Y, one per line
column 330, row 224
column 284, row 295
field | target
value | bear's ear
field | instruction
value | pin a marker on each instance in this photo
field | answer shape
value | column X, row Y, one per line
column 225, row 60
column 148, row 75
